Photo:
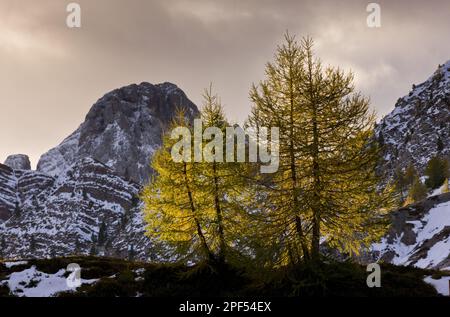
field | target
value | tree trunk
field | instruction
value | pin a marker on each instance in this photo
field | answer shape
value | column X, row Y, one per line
column 200, row 234
column 298, row 221
column 315, row 243
column 220, row 230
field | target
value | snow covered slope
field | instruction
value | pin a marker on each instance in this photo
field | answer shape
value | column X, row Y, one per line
column 64, row 216
column 419, row 126
column 419, row 235
column 34, row 283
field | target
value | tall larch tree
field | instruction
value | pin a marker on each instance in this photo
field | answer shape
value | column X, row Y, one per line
column 326, row 186
column 277, row 104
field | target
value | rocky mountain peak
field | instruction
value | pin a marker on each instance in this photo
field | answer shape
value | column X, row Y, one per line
column 90, row 182
column 18, row 162
column 122, row 130
column 419, row 126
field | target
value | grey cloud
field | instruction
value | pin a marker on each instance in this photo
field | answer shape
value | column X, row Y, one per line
column 51, row 75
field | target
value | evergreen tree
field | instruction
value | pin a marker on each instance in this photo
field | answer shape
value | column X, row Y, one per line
column 102, row 233
column 326, row 184
column 223, row 182
column 437, row 171
column 439, row 145
column 2, row 247
column 93, row 238
column 135, row 202
column 196, row 206
column 17, row 210
column 410, row 175
column 381, row 139
column 32, row 245
column 401, row 183
column 123, row 221
column 417, row 192
column 131, row 253
column 93, row 250
column 108, row 246
column 77, row 246
column 175, row 206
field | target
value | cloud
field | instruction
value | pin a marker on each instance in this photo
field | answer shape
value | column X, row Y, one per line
column 51, row 74
column 22, row 37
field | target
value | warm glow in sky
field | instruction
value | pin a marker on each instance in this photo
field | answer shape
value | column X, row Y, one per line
column 50, row 75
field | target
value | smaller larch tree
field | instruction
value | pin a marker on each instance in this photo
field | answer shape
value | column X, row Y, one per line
column 417, row 192
column 174, row 202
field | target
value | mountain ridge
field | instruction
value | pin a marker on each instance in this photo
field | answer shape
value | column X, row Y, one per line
column 418, row 127
column 123, row 126
column 87, row 188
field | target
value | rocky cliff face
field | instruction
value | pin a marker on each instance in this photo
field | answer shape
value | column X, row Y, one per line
column 416, row 130
column 18, row 162
column 83, row 198
column 419, row 126
column 122, row 130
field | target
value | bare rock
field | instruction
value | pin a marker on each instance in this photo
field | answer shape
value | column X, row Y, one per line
column 18, row 162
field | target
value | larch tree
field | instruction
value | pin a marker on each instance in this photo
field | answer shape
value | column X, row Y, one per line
column 277, row 105
column 326, row 186
column 197, row 205
column 175, row 206
column 417, row 192
column 2, row 247
column 223, row 179
column 401, row 185
column 410, row 175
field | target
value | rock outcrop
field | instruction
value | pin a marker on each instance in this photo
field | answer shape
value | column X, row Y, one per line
column 18, row 162
column 419, row 126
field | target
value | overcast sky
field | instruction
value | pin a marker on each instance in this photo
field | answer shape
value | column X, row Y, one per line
column 50, row 75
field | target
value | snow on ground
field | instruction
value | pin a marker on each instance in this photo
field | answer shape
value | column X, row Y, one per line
column 436, row 254
column 11, row 264
column 438, row 191
column 431, row 224
column 33, row 283
column 441, row 285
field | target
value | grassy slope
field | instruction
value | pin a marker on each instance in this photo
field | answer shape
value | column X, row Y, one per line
column 119, row 278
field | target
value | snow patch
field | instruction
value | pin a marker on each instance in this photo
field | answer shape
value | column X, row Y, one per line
column 33, row 283
column 441, row 285
column 17, row 263
column 430, row 225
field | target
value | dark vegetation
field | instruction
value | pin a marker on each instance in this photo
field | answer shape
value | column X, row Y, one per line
column 329, row 278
